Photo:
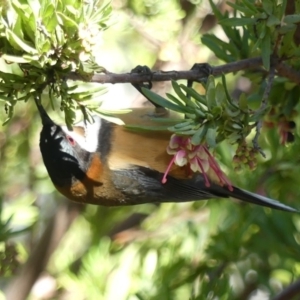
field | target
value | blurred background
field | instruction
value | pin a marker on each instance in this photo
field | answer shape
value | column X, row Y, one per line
column 217, row 249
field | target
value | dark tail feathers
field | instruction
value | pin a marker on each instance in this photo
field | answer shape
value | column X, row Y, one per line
column 258, row 199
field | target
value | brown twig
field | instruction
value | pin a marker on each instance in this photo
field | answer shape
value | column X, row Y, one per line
column 194, row 75
column 285, row 70
column 289, row 292
column 263, row 106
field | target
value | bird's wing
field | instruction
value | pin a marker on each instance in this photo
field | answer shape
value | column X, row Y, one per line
column 141, row 148
column 141, row 157
column 144, row 185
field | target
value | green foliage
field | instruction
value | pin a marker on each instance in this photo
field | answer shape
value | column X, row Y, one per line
column 262, row 29
column 263, row 26
column 203, row 250
column 45, row 41
column 185, row 252
column 210, row 118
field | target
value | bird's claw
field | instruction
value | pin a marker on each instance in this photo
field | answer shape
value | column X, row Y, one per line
column 144, row 70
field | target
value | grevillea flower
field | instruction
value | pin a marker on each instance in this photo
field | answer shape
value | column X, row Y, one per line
column 197, row 158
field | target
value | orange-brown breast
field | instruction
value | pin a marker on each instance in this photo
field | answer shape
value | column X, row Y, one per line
column 95, row 188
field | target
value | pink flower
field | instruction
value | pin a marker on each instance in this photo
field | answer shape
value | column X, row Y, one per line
column 197, row 158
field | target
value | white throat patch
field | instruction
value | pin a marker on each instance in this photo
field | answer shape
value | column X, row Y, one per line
column 89, row 139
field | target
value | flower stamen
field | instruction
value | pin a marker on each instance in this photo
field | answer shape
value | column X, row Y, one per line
column 196, row 158
column 207, row 183
column 164, row 179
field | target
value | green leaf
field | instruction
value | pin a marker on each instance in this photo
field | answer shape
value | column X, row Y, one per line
column 6, row 99
column 186, row 133
column 194, row 94
column 256, row 46
column 273, row 21
column 228, row 98
column 199, row 135
column 211, row 137
column 76, row 87
column 183, row 125
column 101, row 14
column 180, row 127
column 217, row 111
column 182, row 96
column 232, row 113
column 212, row 44
column 281, row 9
column 266, row 50
column 250, row 5
column 174, row 99
column 35, row 7
column 22, row 44
column 139, row 128
column 11, row 77
column 165, row 120
column 200, row 113
column 15, row 59
column 244, row 9
column 31, row 58
column 51, row 24
column 220, row 94
column 66, row 21
column 60, row 36
column 287, row 28
column 291, row 19
column 268, row 6
column 243, row 103
column 238, row 21
column 211, row 92
column 236, row 125
column 49, row 11
column 165, row 103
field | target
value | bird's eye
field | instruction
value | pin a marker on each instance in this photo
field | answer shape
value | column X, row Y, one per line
column 71, row 140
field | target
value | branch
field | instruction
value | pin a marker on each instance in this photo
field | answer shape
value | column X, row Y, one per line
column 285, row 70
column 263, row 106
column 289, row 292
column 194, row 75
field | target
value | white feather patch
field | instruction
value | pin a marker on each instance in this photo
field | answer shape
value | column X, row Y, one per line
column 88, row 141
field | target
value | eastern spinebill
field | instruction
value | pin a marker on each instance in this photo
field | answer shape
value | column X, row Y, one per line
column 106, row 164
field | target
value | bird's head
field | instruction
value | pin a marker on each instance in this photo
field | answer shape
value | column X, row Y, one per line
column 67, row 153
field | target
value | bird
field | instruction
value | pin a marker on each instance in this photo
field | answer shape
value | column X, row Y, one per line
column 105, row 163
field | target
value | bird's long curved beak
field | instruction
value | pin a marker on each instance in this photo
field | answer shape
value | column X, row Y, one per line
column 46, row 120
